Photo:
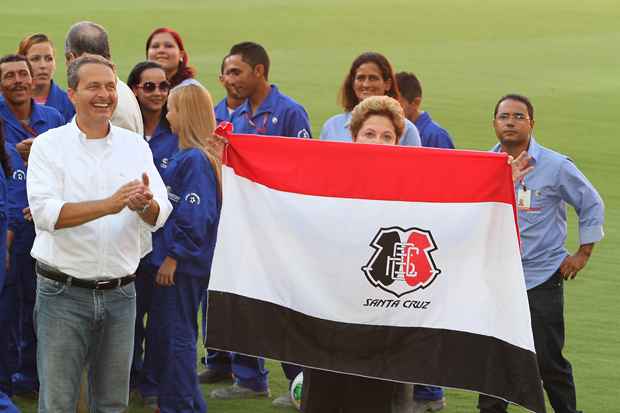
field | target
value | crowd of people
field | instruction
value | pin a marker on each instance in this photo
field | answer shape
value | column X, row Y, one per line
column 111, row 195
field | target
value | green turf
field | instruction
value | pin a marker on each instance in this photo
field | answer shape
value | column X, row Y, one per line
column 562, row 53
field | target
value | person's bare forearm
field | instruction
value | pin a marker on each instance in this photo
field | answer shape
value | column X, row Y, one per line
column 73, row 214
column 152, row 212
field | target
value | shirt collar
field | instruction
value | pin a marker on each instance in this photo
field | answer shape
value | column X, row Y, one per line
column 347, row 119
column 267, row 106
column 533, row 149
column 36, row 114
column 422, row 119
column 82, row 136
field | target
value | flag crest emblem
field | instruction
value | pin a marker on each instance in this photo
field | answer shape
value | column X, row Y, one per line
column 402, row 260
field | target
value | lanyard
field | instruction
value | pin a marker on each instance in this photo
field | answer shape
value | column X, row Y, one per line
column 33, row 133
column 263, row 128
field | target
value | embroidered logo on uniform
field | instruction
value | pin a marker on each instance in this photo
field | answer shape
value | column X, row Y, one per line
column 172, row 196
column 164, row 163
column 19, row 175
column 303, row 134
column 192, row 198
column 274, row 120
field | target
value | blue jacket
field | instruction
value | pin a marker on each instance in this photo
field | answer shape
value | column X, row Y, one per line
column 42, row 118
column 221, row 112
column 278, row 115
column 3, row 226
column 190, row 232
column 431, row 134
column 59, row 100
column 163, row 144
column 17, row 201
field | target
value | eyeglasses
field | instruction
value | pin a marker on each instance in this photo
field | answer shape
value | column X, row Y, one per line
column 518, row 117
column 149, row 87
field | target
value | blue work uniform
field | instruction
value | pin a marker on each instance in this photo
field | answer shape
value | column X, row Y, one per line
column 222, row 113
column 22, row 277
column 542, row 196
column 189, row 237
column 431, row 134
column 59, row 100
column 7, row 300
column 164, row 144
column 278, row 115
column 336, row 128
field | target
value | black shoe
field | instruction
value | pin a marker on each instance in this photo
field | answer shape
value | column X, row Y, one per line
column 213, row 376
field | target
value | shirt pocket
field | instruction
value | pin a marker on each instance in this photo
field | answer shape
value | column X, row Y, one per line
column 542, row 200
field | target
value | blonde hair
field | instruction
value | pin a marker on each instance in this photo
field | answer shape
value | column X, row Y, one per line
column 378, row 105
column 196, row 121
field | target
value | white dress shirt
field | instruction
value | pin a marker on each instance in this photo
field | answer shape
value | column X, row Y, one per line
column 127, row 113
column 65, row 167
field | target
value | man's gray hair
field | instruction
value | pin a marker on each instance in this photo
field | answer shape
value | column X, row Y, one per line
column 73, row 70
column 87, row 37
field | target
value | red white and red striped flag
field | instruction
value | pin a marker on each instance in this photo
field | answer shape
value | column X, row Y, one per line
column 390, row 262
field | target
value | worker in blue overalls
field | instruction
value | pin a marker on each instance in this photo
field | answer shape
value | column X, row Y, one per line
column 218, row 362
column 148, row 82
column 265, row 111
column 23, row 121
column 183, row 249
column 7, row 303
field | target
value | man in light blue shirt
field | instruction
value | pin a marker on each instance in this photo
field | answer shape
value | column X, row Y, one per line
column 541, row 200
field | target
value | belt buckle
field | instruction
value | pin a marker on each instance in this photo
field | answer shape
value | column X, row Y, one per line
column 100, row 285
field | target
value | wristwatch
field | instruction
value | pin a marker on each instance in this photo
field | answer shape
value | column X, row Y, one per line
column 146, row 207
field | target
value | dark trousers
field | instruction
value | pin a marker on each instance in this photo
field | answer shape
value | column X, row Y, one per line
column 547, row 313
column 172, row 329
column 329, row 392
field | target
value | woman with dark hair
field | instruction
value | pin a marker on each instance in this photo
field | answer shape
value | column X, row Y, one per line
column 165, row 46
column 148, row 82
column 7, row 302
column 39, row 50
column 371, row 74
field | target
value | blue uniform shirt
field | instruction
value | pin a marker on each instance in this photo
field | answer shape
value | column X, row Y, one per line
column 278, row 115
column 431, row 134
column 4, row 219
column 221, row 112
column 190, row 232
column 163, row 144
column 554, row 182
column 42, row 118
column 59, row 100
column 337, row 129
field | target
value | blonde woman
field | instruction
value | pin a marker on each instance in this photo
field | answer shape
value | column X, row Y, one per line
column 183, row 249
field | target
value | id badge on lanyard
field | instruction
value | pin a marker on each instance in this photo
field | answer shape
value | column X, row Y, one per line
column 524, row 197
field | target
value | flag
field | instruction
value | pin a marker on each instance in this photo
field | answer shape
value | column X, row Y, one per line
column 389, row 262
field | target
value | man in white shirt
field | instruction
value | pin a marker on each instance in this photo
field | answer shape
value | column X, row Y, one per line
column 88, row 37
column 91, row 187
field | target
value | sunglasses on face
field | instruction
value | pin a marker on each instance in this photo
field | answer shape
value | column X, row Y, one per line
column 149, row 87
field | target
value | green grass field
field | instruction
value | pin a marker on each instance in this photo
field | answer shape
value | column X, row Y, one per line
column 563, row 54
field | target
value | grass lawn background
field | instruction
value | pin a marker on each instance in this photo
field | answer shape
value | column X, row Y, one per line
column 562, row 54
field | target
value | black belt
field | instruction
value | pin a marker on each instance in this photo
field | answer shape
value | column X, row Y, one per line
column 54, row 274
